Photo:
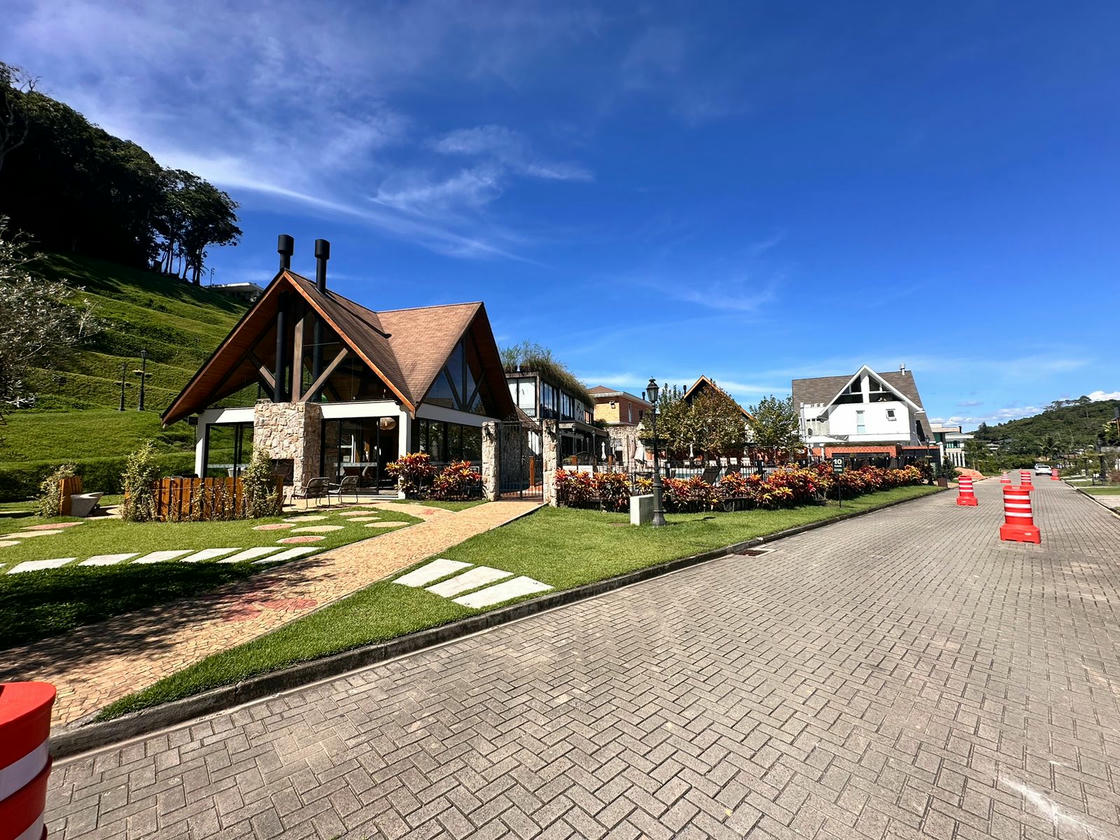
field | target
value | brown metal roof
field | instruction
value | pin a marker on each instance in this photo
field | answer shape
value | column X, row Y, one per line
column 822, row 389
column 406, row 348
column 705, row 382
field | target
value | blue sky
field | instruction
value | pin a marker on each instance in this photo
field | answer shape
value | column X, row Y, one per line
column 752, row 191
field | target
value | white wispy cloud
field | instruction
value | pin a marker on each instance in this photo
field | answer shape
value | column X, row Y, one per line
column 1097, row 396
column 307, row 105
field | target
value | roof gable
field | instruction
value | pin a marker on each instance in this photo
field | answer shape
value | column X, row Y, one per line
column 824, row 390
column 404, row 348
column 704, row 383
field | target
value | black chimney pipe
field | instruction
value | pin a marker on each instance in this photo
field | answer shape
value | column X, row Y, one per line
column 285, row 247
column 322, row 254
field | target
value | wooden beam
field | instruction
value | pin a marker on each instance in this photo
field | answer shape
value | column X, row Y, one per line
column 263, row 370
column 315, row 386
column 297, row 362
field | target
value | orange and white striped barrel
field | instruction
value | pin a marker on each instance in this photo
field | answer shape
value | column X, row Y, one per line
column 25, row 763
column 1005, row 479
column 1018, row 517
column 1054, row 474
column 1025, row 477
column 966, row 494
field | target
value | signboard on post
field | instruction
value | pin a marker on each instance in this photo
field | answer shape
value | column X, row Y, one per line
column 838, row 465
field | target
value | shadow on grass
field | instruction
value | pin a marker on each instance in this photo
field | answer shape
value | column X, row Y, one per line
column 159, row 600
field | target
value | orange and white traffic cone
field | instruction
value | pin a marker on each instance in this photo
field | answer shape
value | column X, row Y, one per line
column 1018, row 525
column 1025, row 478
column 1054, row 475
column 1005, row 479
column 966, row 495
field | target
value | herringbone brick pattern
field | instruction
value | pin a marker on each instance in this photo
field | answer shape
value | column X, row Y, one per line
column 899, row 675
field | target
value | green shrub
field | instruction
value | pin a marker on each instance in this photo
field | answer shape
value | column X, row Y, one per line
column 414, row 473
column 259, row 485
column 141, row 472
column 48, row 501
column 20, row 481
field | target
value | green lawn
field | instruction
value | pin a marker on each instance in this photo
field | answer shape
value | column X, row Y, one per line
column 1113, row 490
column 78, row 435
column 559, row 546
column 37, row 604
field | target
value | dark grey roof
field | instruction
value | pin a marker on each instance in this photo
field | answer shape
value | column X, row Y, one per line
column 821, row 389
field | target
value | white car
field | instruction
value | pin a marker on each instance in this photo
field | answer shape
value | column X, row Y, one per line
column 1042, row 469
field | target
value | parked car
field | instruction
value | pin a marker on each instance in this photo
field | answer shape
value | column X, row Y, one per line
column 1042, row 469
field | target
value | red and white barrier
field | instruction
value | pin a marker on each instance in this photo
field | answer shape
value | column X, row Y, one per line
column 1005, row 479
column 966, row 495
column 1018, row 524
column 1054, row 474
column 25, row 763
column 1025, row 478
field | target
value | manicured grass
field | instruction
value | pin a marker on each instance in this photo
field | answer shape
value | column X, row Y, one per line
column 445, row 505
column 62, row 436
column 1113, row 490
column 562, row 547
column 37, row 604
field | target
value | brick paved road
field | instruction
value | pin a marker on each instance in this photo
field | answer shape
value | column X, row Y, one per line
column 899, row 675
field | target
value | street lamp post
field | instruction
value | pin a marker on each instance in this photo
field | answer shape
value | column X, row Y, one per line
column 658, row 510
column 143, row 372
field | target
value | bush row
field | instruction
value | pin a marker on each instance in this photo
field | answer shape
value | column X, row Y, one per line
column 20, row 481
column 417, row 476
column 782, row 488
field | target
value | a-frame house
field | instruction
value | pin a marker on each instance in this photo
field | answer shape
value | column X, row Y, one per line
column 332, row 388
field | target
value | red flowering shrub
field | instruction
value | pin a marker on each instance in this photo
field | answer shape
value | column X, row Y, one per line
column 802, row 484
column 575, row 489
column 613, row 491
column 457, row 481
column 688, row 494
column 413, row 472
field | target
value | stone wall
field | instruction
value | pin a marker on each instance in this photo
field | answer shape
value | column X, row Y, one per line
column 550, row 457
column 491, row 460
column 290, row 430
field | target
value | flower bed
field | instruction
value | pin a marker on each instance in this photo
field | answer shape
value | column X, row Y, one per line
column 417, row 477
column 784, row 488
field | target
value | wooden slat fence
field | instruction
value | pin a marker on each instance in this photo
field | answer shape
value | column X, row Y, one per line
column 66, row 488
column 202, row 499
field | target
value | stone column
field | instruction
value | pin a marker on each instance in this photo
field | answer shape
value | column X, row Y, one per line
column 550, row 451
column 491, row 460
column 290, row 430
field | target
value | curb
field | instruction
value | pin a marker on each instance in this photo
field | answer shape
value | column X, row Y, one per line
column 97, row 735
column 1109, row 508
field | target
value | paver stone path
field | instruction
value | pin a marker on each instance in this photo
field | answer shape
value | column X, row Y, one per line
column 96, row 664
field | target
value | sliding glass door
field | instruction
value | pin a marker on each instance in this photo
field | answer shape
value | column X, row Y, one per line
column 362, row 447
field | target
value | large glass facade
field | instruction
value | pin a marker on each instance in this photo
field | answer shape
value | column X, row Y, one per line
column 459, row 383
column 229, row 446
column 445, row 442
column 362, row 447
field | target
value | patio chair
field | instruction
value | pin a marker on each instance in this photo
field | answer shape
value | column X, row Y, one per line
column 349, row 484
column 315, row 488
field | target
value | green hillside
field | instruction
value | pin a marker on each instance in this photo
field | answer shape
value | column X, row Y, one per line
column 75, row 416
column 1058, row 430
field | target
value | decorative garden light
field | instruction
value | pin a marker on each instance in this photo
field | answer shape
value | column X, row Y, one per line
column 658, row 511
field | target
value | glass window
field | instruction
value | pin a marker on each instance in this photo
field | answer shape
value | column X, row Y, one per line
column 229, row 446
column 860, row 427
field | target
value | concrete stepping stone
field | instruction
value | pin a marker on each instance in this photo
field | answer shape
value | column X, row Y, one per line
column 8, row 543
column 50, row 526
column 274, row 526
column 384, row 524
column 473, row 579
column 161, row 556
column 250, row 554
column 364, row 518
column 317, row 529
column 290, row 554
column 295, row 520
column 23, row 535
column 36, row 565
column 106, row 559
column 207, row 554
column 305, row 538
column 430, row 572
column 500, row 592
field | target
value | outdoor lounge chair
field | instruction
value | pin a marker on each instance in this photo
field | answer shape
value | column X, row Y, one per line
column 315, row 488
column 349, row 484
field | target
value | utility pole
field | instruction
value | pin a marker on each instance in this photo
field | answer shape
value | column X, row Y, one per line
column 143, row 374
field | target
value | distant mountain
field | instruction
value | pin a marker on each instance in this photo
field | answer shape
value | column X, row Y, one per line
column 1063, row 428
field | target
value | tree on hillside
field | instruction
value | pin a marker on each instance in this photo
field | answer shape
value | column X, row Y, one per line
column 51, row 319
column 774, row 428
column 13, row 123
column 191, row 215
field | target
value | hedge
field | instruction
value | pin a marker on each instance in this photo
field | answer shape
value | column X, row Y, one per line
column 20, row 481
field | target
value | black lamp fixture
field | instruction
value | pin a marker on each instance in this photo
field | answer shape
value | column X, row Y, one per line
column 652, row 392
